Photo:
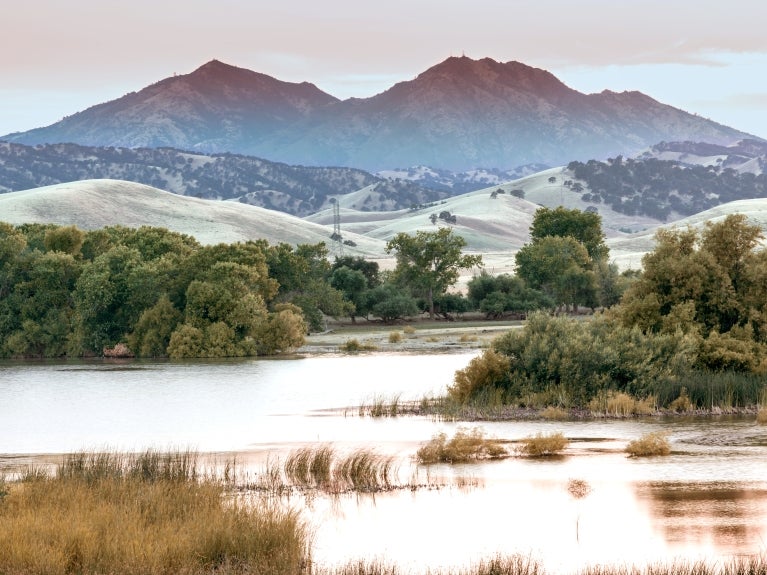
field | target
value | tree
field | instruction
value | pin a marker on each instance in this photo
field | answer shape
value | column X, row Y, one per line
column 429, row 262
column 584, row 227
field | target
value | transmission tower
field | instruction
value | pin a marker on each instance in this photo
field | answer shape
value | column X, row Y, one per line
column 337, row 237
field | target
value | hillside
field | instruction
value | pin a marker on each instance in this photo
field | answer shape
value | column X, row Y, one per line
column 296, row 190
column 97, row 203
column 458, row 115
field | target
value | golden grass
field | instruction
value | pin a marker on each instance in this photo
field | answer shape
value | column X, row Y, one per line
column 655, row 443
column 408, row 330
column 619, row 404
column 322, row 468
column 761, row 416
column 464, row 446
column 543, row 445
column 466, row 338
column 395, row 337
column 554, row 413
column 681, row 403
column 90, row 518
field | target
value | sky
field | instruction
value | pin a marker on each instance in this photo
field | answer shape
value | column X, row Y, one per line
column 60, row 57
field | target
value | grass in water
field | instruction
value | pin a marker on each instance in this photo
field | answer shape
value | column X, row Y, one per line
column 655, row 443
column 464, row 446
column 543, row 445
column 150, row 514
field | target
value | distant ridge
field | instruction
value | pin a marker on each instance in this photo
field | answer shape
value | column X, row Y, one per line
column 459, row 114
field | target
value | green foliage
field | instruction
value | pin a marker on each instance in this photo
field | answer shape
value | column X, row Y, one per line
column 283, row 330
column 584, row 227
column 428, row 263
column 151, row 336
column 580, row 359
column 68, row 240
column 388, row 302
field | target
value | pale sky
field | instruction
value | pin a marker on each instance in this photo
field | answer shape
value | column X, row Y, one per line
column 58, row 57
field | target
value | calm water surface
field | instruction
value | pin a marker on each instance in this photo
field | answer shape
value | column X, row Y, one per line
column 708, row 499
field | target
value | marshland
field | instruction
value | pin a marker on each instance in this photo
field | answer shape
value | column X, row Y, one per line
column 289, row 443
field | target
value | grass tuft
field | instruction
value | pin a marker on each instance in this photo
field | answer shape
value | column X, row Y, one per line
column 554, row 413
column 464, row 446
column 655, row 443
column 540, row 445
column 395, row 337
column 353, row 345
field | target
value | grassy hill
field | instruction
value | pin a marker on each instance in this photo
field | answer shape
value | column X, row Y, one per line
column 493, row 223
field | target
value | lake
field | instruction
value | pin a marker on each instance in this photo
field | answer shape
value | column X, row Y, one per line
column 707, row 499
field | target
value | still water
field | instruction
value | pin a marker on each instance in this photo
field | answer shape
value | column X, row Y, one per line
column 708, row 499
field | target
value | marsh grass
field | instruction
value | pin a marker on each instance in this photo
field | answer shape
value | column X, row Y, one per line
column 149, row 513
column 619, row 404
column 465, row 445
column 761, row 416
column 650, row 444
column 543, row 445
column 322, row 468
column 381, row 406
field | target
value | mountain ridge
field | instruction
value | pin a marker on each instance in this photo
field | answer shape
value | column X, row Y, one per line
column 458, row 114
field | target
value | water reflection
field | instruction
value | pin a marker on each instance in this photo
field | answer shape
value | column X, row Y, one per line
column 709, row 498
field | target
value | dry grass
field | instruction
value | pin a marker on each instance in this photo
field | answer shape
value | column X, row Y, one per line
column 761, row 416
column 98, row 514
column 540, row 445
column 466, row 338
column 322, row 468
column 408, row 330
column 655, row 443
column 381, row 406
column 464, row 446
column 619, row 404
column 681, row 403
column 395, row 337
column 554, row 413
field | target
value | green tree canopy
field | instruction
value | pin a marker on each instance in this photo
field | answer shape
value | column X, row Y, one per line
column 429, row 262
column 584, row 227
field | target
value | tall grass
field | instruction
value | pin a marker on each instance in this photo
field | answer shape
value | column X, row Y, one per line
column 650, row 444
column 543, row 445
column 712, row 390
column 465, row 445
column 146, row 514
column 322, row 468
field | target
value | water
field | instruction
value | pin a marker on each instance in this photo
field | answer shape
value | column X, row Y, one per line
column 707, row 499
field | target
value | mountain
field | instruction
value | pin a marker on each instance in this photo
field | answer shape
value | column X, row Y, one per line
column 296, row 190
column 458, row 115
column 217, row 107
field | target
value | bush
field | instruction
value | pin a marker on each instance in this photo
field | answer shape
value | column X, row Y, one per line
column 464, row 446
column 541, row 445
column 395, row 337
column 655, row 443
column 353, row 345
column 484, row 373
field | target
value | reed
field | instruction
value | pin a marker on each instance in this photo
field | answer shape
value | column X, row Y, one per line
column 543, row 445
column 100, row 513
column 655, row 443
column 310, row 466
column 465, row 445
column 365, row 471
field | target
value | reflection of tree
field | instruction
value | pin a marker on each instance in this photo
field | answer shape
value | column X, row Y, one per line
column 578, row 489
column 728, row 516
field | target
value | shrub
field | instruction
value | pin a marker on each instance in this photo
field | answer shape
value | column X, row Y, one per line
column 408, row 330
column 395, row 337
column 483, row 373
column 464, row 446
column 541, row 445
column 655, row 443
column 353, row 345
